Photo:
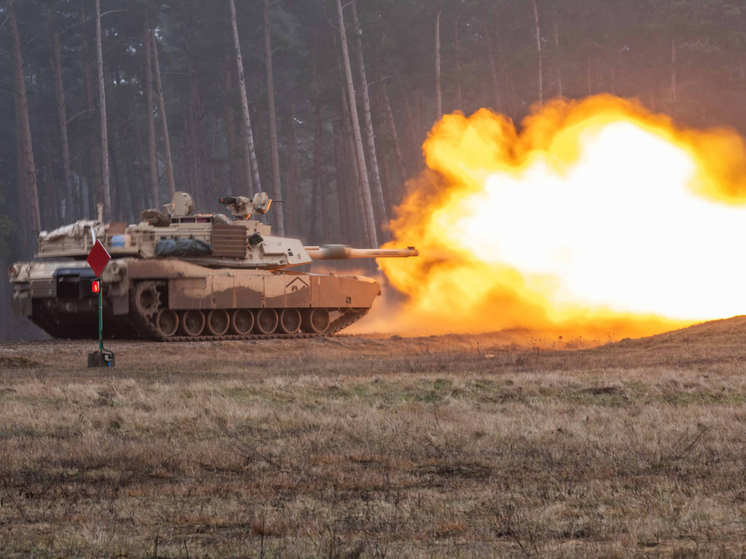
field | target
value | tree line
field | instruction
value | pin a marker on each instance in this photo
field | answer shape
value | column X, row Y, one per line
column 322, row 103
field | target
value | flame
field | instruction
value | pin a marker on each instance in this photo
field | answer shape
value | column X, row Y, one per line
column 596, row 219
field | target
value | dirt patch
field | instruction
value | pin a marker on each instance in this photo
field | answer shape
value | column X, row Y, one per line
column 598, row 390
column 18, row 362
column 457, row 470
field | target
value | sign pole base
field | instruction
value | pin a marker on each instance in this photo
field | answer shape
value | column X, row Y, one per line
column 103, row 358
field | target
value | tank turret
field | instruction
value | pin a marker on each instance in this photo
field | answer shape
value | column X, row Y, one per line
column 181, row 275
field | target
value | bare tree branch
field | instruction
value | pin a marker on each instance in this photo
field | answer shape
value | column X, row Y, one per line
column 69, row 120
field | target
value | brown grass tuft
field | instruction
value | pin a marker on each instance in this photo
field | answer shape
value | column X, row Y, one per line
column 452, row 446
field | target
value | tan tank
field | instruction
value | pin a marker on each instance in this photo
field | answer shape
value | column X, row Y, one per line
column 179, row 276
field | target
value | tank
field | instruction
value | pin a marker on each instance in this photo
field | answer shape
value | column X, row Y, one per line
column 181, row 276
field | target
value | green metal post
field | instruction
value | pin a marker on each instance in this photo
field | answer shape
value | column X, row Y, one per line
column 100, row 316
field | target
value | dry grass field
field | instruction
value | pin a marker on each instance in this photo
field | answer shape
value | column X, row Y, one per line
column 451, row 446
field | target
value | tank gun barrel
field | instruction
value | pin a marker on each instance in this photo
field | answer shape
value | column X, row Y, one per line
column 343, row 252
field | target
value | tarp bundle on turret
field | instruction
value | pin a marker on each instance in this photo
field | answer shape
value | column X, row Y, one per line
column 180, row 248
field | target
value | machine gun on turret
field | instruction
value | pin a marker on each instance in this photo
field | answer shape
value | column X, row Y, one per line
column 242, row 207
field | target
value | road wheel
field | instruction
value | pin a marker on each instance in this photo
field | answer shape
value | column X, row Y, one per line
column 218, row 322
column 242, row 321
column 147, row 299
column 315, row 321
column 290, row 321
column 266, row 321
column 191, row 323
column 167, row 322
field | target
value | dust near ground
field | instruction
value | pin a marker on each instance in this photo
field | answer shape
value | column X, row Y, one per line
column 448, row 446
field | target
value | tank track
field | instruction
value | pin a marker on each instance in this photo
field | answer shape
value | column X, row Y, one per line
column 145, row 327
column 337, row 325
column 42, row 319
column 138, row 324
column 69, row 331
column 342, row 322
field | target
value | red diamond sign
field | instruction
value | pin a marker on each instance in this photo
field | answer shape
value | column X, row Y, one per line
column 98, row 258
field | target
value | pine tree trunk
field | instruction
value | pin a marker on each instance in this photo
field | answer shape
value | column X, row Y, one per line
column 394, row 136
column 493, row 68
column 192, row 155
column 292, row 201
column 50, row 202
column 413, row 138
column 386, row 179
column 152, row 157
column 199, row 133
column 301, row 200
column 500, row 80
column 122, row 149
column 230, row 129
column 557, row 58
column 193, row 132
column 162, row 113
column 213, row 158
column 119, row 198
column 94, row 190
column 357, row 209
column 248, row 134
column 246, row 156
column 359, row 153
column 25, row 148
column 145, row 190
column 673, row 70
column 67, row 197
column 274, row 153
column 457, row 48
column 90, row 186
column 324, row 198
column 187, row 169
column 105, row 191
column 295, row 195
column 370, row 134
column 380, row 123
column 134, row 204
column 75, row 210
column 259, row 132
column 340, row 184
column 23, row 215
column 438, row 90
column 538, row 50
column 289, row 194
column 317, row 181
column 419, row 115
column 513, row 105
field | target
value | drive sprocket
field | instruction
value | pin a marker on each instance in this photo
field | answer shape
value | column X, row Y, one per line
column 147, row 299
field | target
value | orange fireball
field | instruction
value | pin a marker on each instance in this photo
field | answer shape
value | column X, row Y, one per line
column 597, row 218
